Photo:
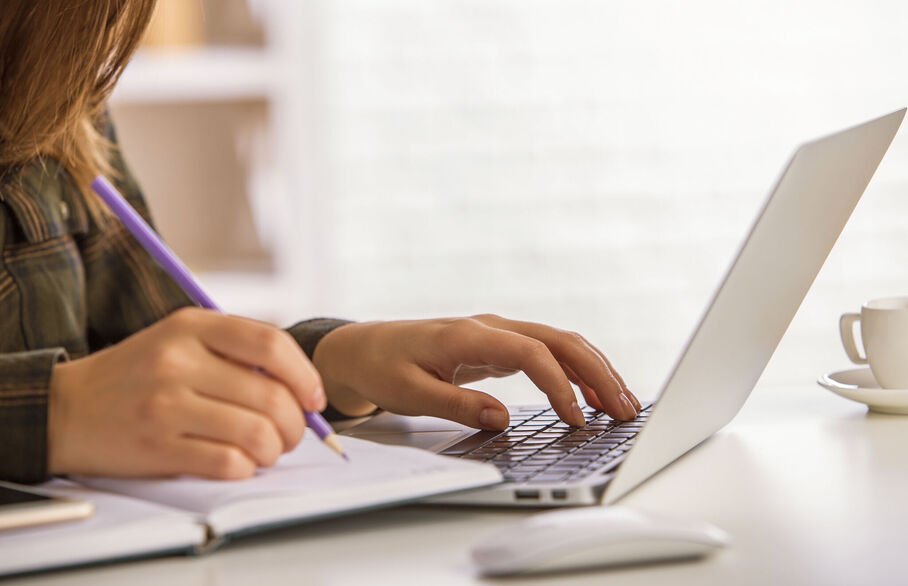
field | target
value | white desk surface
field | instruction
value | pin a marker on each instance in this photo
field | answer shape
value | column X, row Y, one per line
column 812, row 489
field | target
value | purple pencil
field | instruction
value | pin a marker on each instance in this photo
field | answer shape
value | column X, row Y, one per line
column 171, row 263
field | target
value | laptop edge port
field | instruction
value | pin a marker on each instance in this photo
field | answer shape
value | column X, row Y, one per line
column 527, row 495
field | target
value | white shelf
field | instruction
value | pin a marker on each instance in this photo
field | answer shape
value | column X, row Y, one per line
column 278, row 74
column 195, row 75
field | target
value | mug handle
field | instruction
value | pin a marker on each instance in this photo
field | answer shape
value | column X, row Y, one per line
column 846, row 329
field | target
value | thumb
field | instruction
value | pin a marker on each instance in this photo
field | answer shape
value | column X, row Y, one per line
column 467, row 406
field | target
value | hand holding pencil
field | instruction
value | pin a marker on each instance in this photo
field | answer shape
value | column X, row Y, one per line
column 189, row 405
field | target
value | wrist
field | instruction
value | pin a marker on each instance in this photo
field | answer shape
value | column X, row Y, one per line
column 58, row 410
column 336, row 361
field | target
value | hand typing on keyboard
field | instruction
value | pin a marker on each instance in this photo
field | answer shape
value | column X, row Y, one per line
column 416, row 368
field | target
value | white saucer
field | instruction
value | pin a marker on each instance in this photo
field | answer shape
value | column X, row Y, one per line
column 859, row 385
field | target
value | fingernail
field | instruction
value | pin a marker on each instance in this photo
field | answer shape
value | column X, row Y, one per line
column 629, row 410
column 321, row 401
column 578, row 417
column 490, row 418
column 633, row 399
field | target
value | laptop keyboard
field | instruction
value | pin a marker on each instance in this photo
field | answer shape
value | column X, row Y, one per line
column 537, row 447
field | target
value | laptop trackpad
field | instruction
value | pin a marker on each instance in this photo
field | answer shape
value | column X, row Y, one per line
column 428, row 433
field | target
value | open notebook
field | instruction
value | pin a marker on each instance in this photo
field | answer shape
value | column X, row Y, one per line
column 141, row 518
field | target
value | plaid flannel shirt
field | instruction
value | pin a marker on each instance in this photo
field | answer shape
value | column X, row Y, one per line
column 70, row 286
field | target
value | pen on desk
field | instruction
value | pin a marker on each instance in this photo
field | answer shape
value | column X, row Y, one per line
column 171, row 263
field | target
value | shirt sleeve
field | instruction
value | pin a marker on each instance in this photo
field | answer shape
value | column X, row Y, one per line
column 310, row 332
column 24, row 385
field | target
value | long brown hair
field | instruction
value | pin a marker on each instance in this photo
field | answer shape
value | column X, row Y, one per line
column 59, row 61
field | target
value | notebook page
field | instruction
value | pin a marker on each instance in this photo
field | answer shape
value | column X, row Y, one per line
column 311, row 481
column 119, row 527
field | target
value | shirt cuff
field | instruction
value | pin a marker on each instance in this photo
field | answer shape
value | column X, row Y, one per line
column 308, row 334
column 24, row 385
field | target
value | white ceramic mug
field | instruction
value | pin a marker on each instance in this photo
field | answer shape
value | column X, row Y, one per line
column 884, row 336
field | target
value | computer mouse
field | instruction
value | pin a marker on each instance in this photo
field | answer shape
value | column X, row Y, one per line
column 592, row 537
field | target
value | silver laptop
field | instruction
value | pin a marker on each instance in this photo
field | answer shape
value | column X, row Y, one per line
column 546, row 462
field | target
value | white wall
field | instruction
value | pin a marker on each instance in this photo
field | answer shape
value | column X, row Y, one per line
column 595, row 164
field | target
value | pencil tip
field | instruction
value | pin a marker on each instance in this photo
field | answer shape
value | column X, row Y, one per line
column 332, row 442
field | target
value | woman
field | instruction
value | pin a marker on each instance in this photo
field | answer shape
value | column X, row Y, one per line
column 106, row 369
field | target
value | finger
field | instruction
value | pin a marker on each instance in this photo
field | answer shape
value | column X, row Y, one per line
column 595, row 372
column 226, row 423
column 260, row 345
column 468, row 374
column 584, row 359
column 633, row 398
column 209, row 459
column 588, row 393
column 224, row 380
column 627, row 392
column 474, row 344
column 431, row 396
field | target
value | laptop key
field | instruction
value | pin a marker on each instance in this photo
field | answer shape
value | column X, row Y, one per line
column 507, row 457
column 499, row 444
column 547, row 416
column 562, row 465
column 621, row 434
column 559, row 447
column 583, row 434
column 518, row 432
column 550, row 476
column 530, row 408
column 590, row 452
column 562, row 450
column 575, row 464
column 534, row 443
column 607, row 441
column 548, row 434
column 522, row 468
column 598, row 426
column 523, row 454
column 560, row 425
column 569, row 441
column 539, row 463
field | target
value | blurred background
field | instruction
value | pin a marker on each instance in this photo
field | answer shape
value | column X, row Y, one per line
column 593, row 165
